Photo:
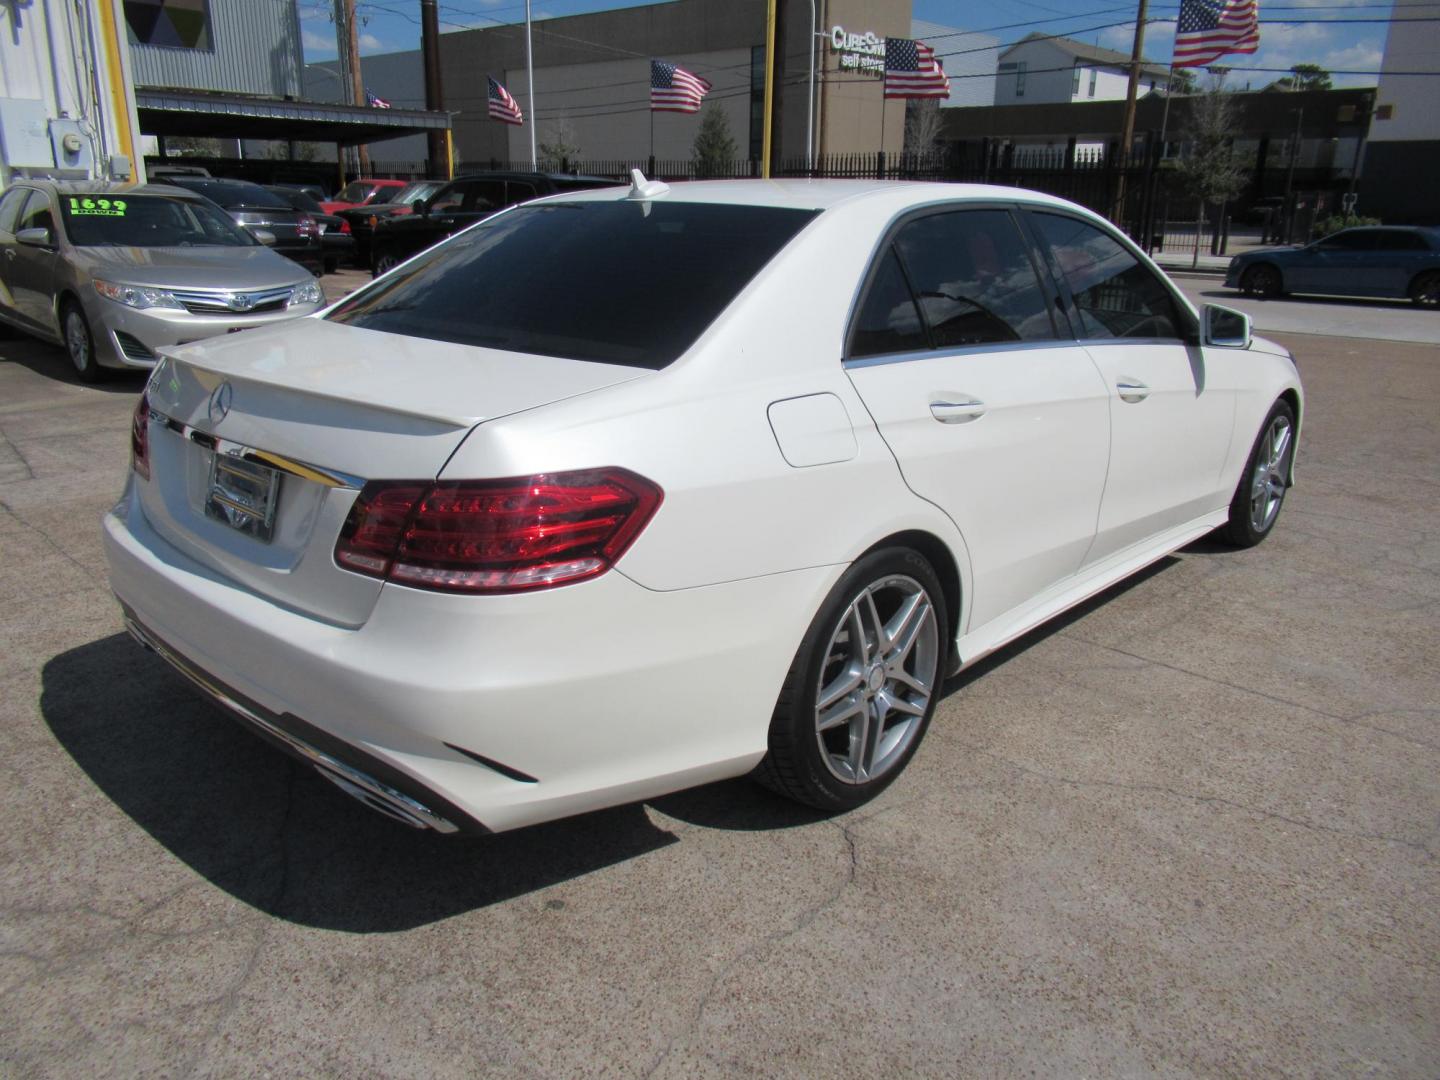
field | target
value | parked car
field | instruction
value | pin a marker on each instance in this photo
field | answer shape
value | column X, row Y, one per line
column 1380, row 260
column 363, row 192
column 297, row 235
column 115, row 273
column 622, row 492
column 363, row 219
column 157, row 172
column 336, row 243
column 458, row 205
column 315, row 191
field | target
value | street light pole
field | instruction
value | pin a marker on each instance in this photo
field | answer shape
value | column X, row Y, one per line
column 1290, row 175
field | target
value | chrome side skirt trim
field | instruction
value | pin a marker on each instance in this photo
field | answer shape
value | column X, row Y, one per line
column 352, row 781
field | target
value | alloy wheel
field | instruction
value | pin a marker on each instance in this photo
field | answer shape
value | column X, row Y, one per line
column 77, row 341
column 877, row 679
column 1267, row 483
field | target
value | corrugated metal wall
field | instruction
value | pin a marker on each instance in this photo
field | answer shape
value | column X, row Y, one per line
column 255, row 50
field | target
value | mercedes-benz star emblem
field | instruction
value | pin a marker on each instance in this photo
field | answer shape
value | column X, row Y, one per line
column 220, row 399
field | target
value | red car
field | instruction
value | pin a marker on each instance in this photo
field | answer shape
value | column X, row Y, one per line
column 363, row 193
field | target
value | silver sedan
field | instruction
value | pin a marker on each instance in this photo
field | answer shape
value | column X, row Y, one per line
column 115, row 273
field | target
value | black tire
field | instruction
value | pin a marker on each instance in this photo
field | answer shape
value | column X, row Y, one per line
column 802, row 762
column 384, row 263
column 1247, row 525
column 79, row 342
column 1425, row 290
column 331, row 265
column 1262, row 281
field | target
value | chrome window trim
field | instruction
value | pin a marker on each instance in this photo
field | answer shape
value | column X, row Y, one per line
column 318, row 474
column 972, row 350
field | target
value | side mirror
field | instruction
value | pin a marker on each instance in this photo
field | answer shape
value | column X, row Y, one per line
column 1224, row 327
column 40, row 238
column 265, row 236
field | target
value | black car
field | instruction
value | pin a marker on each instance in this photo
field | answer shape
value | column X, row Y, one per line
column 461, row 203
column 336, row 243
column 363, row 219
column 297, row 236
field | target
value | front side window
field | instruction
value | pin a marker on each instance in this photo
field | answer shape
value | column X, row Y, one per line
column 974, row 279
column 10, row 204
column 150, row 221
column 1350, row 240
column 518, row 191
column 615, row 282
column 37, row 214
column 1115, row 296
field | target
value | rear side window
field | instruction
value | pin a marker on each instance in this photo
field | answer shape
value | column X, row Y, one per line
column 974, row 279
column 616, row 282
column 888, row 321
column 1401, row 241
column 1115, row 296
column 1351, row 240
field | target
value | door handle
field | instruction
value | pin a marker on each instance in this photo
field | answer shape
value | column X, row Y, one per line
column 1132, row 390
column 957, row 412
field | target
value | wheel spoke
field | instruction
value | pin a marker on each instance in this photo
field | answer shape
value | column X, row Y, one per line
column 896, row 703
column 899, row 674
column 906, row 625
column 882, row 639
column 843, row 713
column 848, row 680
column 859, row 642
column 1278, row 445
column 860, row 736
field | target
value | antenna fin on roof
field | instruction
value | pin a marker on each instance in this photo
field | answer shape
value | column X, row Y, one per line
column 640, row 188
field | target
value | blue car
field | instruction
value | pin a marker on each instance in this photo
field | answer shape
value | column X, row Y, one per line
column 1394, row 260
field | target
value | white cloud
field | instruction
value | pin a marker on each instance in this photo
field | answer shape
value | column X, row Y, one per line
column 371, row 43
column 317, row 43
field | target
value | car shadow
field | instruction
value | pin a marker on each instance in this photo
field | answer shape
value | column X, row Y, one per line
column 52, row 362
column 273, row 834
column 1379, row 303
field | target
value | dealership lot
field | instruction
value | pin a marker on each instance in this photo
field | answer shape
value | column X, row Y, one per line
column 1191, row 829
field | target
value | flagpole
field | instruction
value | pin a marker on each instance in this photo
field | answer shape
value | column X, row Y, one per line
column 530, row 84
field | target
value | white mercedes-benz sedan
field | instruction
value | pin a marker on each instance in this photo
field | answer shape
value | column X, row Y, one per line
column 625, row 491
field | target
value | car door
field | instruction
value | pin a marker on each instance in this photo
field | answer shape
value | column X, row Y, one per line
column 1171, row 404
column 463, row 204
column 1399, row 255
column 31, row 269
column 1341, row 265
column 991, row 412
column 10, row 203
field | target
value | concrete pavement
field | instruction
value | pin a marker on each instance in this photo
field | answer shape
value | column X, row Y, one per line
column 1189, row 830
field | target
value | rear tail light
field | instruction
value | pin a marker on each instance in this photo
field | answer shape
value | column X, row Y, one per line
column 496, row 536
column 308, row 227
column 140, row 438
column 344, row 225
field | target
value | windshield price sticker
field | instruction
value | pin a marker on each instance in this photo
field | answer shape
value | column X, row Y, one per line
column 98, row 207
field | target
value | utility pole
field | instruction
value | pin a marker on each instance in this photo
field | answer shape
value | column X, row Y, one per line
column 766, row 130
column 1127, row 133
column 434, row 95
column 1287, row 209
column 351, row 46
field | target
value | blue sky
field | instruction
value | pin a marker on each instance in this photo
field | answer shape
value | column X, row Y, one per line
column 394, row 25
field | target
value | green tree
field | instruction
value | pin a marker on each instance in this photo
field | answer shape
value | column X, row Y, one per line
column 191, row 146
column 714, row 151
column 1211, row 170
column 560, row 148
column 1182, row 81
column 1305, row 77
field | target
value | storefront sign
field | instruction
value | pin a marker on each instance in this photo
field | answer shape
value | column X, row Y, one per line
column 858, row 52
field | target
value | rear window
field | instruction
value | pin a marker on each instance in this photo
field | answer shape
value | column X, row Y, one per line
column 230, row 194
column 614, row 282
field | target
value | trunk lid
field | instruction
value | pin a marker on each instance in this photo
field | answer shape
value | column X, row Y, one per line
column 328, row 406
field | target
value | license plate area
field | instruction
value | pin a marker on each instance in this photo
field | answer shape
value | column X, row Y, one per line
column 243, row 494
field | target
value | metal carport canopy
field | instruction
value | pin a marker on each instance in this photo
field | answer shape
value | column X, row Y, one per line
column 226, row 116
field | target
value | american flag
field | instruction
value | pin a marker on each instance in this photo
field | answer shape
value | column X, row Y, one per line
column 911, row 70
column 1208, row 29
column 375, row 102
column 503, row 107
column 673, row 89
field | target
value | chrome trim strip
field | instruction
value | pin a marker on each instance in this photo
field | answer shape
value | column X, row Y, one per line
column 304, row 470
column 967, row 350
column 352, row 781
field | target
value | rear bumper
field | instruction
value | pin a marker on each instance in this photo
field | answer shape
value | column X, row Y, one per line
column 491, row 713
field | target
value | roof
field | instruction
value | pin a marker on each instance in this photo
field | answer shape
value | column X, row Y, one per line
column 819, row 194
column 103, row 187
column 176, row 112
column 1093, row 53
